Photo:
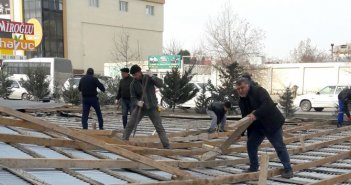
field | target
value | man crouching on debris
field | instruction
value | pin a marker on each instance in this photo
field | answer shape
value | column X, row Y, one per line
column 256, row 103
column 217, row 111
column 344, row 101
column 143, row 97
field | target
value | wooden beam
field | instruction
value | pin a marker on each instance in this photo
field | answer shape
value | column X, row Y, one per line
column 333, row 180
column 262, row 180
column 57, row 142
column 98, row 143
column 242, row 125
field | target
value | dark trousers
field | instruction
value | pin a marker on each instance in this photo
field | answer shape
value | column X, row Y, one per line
column 155, row 118
column 126, row 107
column 91, row 102
column 341, row 113
column 256, row 137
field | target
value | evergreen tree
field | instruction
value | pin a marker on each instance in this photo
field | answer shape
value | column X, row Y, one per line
column 286, row 103
column 5, row 83
column 201, row 101
column 57, row 92
column 228, row 75
column 37, row 85
column 111, row 85
column 177, row 89
column 71, row 94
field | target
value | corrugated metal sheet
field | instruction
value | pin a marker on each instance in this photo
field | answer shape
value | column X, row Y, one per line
column 161, row 173
column 78, row 154
column 111, row 155
column 46, row 152
column 5, row 130
column 7, row 151
column 137, row 177
column 101, row 177
column 7, row 178
column 37, row 134
column 56, row 177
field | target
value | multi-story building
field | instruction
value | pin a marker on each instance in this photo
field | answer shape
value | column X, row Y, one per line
column 92, row 32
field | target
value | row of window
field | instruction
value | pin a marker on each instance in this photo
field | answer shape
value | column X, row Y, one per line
column 123, row 6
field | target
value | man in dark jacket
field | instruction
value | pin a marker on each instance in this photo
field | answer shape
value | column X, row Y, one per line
column 256, row 103
column 145, row 101
column 217, row 111
column 88, row 86
column 123, row 96
column 344, row 101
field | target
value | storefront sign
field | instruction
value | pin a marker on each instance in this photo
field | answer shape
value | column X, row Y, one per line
column 12, row 57
column 12, row 44
column 38, row 32
column 164, row 61
column 16, row 27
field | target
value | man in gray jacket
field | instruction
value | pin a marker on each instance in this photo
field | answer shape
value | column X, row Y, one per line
column 146, row 102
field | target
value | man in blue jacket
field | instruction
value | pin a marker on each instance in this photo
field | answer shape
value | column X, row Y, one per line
column 256, row 103
column 344, row 101
column 217, row 111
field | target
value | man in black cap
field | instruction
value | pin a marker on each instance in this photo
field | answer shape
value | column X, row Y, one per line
column 123, row 96
column 144, row 102
column 88, row 85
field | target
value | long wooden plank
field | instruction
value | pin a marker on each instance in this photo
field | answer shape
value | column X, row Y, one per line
column 242, row 125
column 333, row 180
column 98, row 143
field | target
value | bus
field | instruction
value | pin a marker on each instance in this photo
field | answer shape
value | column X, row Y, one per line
column 58, row 70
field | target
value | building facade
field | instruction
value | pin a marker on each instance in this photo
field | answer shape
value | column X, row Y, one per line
column 93, row 32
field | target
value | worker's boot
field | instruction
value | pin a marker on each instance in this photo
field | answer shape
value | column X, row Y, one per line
column 287, row 174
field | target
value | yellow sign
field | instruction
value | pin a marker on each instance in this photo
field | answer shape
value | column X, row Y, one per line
column 38, row 32
column 12, row 44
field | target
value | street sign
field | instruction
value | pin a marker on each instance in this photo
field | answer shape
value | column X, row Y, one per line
column 164, row 61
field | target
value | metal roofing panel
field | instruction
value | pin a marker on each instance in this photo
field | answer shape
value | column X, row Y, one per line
column 5, row 130
column 55, row 177
column 111, row 155
column 137, row 177
column 46, row 152
column 78, row 154
column 7, row 151
column 7, row 178
column 37, row 134
column 101, row 177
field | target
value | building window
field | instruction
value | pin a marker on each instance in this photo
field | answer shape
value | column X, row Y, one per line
column 150, row 10
column 94, row 3
column 123, row 6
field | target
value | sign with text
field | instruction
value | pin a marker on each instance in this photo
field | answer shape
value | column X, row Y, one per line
column 12, row 44
column 16, row 27
column 164, row 61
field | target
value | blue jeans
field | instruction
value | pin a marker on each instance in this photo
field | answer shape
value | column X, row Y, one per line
column 126, row 107
column 91, row 102
column 341, row 113
column 256, row 137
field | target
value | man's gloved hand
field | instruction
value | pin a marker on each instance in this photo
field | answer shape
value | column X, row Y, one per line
column 140, row 103
column 116, row 102
column 149, row 73
column 349, row 118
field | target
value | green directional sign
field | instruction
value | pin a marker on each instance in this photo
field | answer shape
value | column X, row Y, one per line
column 164, row 61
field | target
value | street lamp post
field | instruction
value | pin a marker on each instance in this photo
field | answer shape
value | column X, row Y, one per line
column 332, row 51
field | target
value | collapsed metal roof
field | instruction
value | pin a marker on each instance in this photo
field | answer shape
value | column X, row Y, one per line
column 36, row 151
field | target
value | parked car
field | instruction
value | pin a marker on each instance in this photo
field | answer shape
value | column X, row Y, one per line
column 189, row 104
column 327, row 97
column 17, row 91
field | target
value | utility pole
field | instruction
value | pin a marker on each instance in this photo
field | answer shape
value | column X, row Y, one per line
column 332, row 51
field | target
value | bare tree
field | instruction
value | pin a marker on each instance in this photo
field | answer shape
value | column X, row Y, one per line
column 172, row 48
column 306, row 52
column 231, row 38
column 122, row 51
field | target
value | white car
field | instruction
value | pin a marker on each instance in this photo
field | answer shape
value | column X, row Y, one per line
column 17, row 91
column 189, row 104
column 327, row 97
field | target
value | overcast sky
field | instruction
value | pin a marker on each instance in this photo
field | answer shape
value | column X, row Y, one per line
column 285, row 22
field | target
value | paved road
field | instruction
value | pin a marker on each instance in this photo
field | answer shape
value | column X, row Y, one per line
column 24, row 104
